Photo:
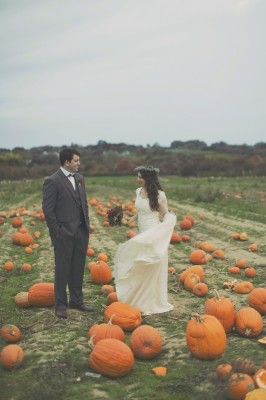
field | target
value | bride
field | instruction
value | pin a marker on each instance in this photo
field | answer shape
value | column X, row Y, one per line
column 141, row 263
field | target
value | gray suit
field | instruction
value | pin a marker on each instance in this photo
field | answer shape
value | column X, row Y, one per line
column 66, row 214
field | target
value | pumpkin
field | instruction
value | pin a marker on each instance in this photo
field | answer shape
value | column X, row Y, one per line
column 159, row 371
column 26, row 267
column 90, row 252
column 131, row 234
column 253, row 247
column 10, row 333
column 218, row 254
column 205, row 337
column 257, row 300
column 256, row 394
column 112, row 358
column 112, row 297
column 191, row 280
column 8, row 266
column 16, row 222
column 191, row 219
column 235, row 235
column 243, row 287
column 28, row 250
column 223, row 371
column 243, row 236
column 223, row 309
column 184, row 238
column 260, row 378
column 106, row 289
column 250, row 272
column 41, row 294
column 100, row 272
column 200, row 289
column 26, row 239
column 146, row 342
column 206, row 246
column 175, row 238
column 198, row 257
column 233, row 270
column 172, row 270
column 16, row 238
column 248, row 322
column 102, row 257
column 242, row 263
column 22, row 300
column 239, row 385
column 124, row 315
column 11, row 356
column 195, row 269
column 185, row 224
column 106, row 331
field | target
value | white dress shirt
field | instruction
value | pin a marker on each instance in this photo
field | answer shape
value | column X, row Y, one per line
column 71, row 178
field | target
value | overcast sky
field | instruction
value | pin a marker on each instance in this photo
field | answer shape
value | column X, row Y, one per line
column 137, row 71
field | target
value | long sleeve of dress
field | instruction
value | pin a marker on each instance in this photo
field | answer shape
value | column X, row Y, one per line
column 163, row 205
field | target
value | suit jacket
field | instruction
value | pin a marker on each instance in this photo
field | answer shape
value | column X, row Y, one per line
column 60, row 205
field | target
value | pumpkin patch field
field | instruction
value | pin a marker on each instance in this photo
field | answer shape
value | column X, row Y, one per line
column 212, row 345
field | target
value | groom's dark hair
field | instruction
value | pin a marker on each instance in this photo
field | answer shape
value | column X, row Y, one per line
column 67, row 155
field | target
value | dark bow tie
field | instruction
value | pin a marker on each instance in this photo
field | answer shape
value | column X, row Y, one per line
column 73, row 175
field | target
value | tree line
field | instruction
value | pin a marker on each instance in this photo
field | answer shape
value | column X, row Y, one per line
column 183, row 158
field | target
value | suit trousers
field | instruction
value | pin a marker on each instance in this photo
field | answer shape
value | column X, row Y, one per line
column 70, row 255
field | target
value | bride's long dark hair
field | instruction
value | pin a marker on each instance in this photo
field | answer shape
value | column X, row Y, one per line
column 152, row 186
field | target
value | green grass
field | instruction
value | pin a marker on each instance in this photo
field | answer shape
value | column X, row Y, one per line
column 56, row 351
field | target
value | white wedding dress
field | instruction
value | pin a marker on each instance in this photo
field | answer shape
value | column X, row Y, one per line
column 141, row 263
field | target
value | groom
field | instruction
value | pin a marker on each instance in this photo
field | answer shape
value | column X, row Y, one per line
column 66, row 212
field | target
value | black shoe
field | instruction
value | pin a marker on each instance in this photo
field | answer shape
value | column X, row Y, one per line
column 81, row 307
column 61, row 313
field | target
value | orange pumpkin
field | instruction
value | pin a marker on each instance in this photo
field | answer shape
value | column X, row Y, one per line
column 239, row 385
column 146, row 342
column 242, row 263
column 250, row 272
column 233, row 270
column 206, row 246
column 200, row 289
column 105, row 331
column 198, row 257
column 195, row 269
column 16, row 222
column 205, row 337
column 10, row 333
column 253, row 247
column 112, row 358
column 131, row 234
column 8, row 266
column 175, row 238
column 257, row 300
column 185, row 224
column 100, row 272
column 256, row 394
column 159, row 371
column 102, row 257
column 223, row 309
column 223, row 371
column 191, row 280
column 11, row 356
column 243, row 287
column 107, row 289
column 218, row 254
column 26, row 267
column 185, row 238
column 41, row 294
column 26, row 239
column 112, row 297
column 248, row 322
column 90, row 252
column 124, row 315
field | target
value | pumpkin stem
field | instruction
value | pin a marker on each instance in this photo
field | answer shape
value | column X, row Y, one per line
column 110, row 320
column 196, row 316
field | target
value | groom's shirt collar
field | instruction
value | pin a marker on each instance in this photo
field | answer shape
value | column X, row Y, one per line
column 65, row 171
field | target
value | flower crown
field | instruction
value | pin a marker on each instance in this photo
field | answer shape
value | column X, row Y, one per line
column 148, row 168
